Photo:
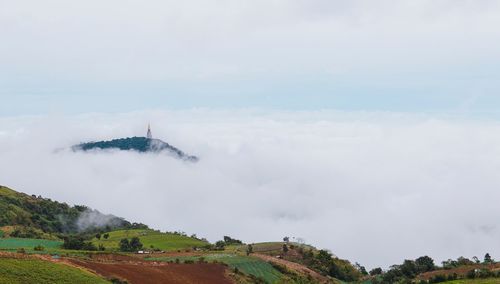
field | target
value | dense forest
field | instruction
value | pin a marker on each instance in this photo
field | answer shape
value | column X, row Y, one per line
column 33, row 215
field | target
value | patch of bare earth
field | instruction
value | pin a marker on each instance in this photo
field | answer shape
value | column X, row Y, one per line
column 153, row 272
column 302, row 269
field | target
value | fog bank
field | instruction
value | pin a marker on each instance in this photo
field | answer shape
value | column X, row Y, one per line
column 372, row 187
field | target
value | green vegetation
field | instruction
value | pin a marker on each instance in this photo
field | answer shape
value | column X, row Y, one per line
column 15, row 243
column 248, row 265
column 133, row 245
column 461, row 270
column 78, row 243
column 268, row 247
column 150, row 239
column 139, row 144
column 43, row 272
column 42, row 215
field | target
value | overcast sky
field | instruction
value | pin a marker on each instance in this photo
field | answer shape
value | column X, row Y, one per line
column 366, row 127
column 429, row 55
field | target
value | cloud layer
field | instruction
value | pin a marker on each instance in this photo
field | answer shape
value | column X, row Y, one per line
column 372, row 187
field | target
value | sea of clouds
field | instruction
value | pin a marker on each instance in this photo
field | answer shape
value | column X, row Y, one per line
column 372, row 187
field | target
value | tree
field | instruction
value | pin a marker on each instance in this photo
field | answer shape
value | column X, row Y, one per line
column 249, row 249
column 376, row 271
column 409, row 268
column 449, row 264
column 464, row 261
column 219, row 245
column 106, row 236
column 285, row 248
column 286, row 239
column 135, row 244
column 230, row 241
column 487, row 258
column 98, row 236
column 476, row 259
column 324, row 256
column 78, row 243
column 424, row 264
column 361, row 268
column 124, row 245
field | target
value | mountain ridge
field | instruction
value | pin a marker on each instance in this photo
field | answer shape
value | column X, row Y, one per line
column 35, row 214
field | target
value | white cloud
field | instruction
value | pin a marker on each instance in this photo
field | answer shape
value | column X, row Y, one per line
column 372, row 187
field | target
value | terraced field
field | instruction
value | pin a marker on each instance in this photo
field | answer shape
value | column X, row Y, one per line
column 162, row 241
column 21, row 271
column 248, row 265
column 29, row 244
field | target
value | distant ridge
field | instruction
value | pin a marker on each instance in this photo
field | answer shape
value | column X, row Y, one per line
column 139, row 144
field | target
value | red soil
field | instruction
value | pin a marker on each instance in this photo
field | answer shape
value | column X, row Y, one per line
column 169, row 273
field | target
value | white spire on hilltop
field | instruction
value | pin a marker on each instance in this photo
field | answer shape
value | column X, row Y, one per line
column 149, row 135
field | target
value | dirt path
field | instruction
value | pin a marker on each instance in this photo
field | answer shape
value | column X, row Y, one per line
column 168, row 273
column 293, row 266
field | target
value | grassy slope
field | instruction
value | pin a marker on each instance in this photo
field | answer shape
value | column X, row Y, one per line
column 15, row 243
column 43, row 272
column 163, row 241
column 267, row 247
column 248, row 265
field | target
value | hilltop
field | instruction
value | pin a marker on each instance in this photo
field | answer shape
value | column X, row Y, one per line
column 139, row 144
column 24, row 215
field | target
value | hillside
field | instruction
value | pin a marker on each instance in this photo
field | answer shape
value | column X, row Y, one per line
column 31, row 216
column 139, row 144
column 28, row 270
column 151, row 239
column 33, row 225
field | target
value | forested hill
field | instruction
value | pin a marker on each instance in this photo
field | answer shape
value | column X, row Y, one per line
column 47, row 216
column 139, row 144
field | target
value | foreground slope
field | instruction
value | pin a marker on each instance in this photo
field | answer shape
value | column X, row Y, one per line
column 25, row 270
column 35, row 216
column 169, row 258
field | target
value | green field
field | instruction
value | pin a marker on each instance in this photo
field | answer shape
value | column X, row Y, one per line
column 15, row 243
column 162, row 241
column 267, row 247
column 25, row 271
column 248, row 265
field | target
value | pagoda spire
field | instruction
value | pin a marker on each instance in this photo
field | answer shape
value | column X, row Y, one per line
column 149, row 135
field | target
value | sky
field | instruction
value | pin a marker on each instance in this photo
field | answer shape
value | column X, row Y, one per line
column 369, row 128
column 115, row 56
